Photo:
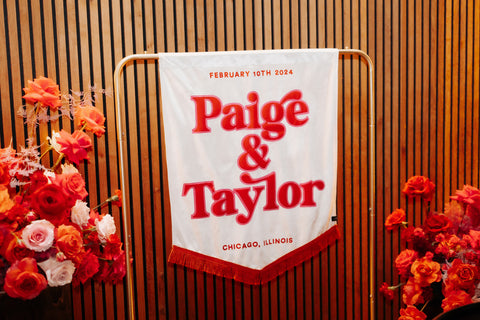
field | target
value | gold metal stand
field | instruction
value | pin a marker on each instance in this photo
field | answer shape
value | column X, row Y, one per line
column 371, row 187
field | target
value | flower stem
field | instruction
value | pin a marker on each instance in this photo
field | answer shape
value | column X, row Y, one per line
column 421, row 310
column 112, row 198
column 45, row 152
column 59, row 160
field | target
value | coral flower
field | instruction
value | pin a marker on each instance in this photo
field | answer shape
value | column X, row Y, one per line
column 44, row 91
column 74, row 146
column 92, row 119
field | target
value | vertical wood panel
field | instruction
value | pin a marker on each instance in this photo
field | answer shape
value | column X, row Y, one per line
column 427, row 95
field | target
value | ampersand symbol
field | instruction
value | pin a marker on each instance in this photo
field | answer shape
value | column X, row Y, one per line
column 255, row 151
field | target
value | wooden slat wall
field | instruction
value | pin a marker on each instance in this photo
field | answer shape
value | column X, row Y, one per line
column 427, row 87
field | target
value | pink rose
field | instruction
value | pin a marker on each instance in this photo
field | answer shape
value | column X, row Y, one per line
column 39, row 235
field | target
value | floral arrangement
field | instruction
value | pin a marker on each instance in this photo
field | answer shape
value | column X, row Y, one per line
column 48, row 234
column 442, row 255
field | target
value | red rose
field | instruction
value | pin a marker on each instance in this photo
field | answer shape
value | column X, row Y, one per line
column 411, row 313
column 23, row 280
column 75, row 146
column 395, row 219
column 72, row 184
column 91, row 118
column 404, row 261
column 419, row 186
column 69, row 241
column 87, row 268
column 462, row 276
column 455, row 299
column 51, row 203
column 45, row 91
column 436, row 223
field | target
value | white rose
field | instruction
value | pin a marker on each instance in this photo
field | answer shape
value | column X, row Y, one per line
column 105, row 227
column 80, row 213
column 39, row 235
column 58, row 273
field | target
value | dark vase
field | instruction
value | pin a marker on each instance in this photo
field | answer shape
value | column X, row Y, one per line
column 52, row 303
column 468, row 312
column 434, row 306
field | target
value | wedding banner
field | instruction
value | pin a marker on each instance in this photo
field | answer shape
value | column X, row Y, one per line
column 251, row 149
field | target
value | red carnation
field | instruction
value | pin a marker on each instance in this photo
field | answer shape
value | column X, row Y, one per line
column 87, row 268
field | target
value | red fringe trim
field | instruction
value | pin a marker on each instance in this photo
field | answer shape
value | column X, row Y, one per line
column 198, row 261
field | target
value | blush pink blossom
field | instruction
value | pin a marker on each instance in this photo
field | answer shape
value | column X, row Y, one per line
column 39, row 235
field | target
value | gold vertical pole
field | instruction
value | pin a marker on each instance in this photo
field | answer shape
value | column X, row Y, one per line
column 371, row 189
column 371, row 182
column 120, row 142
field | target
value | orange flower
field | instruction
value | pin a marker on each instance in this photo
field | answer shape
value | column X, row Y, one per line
column 23, row 280
column 5, row 202
column 419, row 186
column 44, row 91
column 92, row 119
column 412, row 293
column 74, row 146
column 425, row 271
column 411, row 313
column 394, row 219
column 461, row 276
column 456, row 299
column 69, row 241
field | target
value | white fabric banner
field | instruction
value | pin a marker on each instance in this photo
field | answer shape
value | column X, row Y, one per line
column 251, row 148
